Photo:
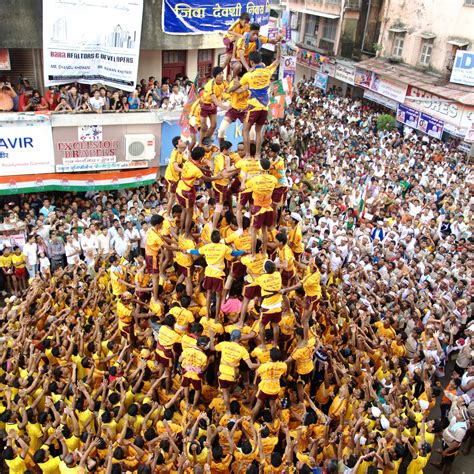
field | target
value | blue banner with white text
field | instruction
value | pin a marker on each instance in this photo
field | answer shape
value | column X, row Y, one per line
column 203, row 16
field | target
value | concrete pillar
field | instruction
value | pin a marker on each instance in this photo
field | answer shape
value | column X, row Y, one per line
column 191, row 63
column 149, row 64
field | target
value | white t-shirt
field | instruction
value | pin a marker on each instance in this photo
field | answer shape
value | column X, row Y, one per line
column 31, row 253
column 44, row 264
column 97, row 104
column 72, row 253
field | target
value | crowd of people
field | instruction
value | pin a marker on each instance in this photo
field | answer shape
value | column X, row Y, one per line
column 291, row 305
column 76, row 98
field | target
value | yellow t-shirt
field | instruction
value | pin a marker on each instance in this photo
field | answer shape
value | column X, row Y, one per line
column 184, row 318
column 295, row 239
column 212, row 88
column 167, row 337
column 221, row 162
column 183, row 258
column 194, row 362
column 418, row 464
column 171, row 175
column 231, row 355
column 238, row 100
column 285, row 254
column 124, row 314
column 5, row 262
column 247, row 49
column 249, row 168
column 254, row 266
column 270, row 284
column 270, row 374
column 18, row 261
column 262, row 187
column 215, row 255
column 312, row 284
column 237, row 28
column 240, row 241
column 51, row 466
column 189, row 175
column 303, row 356
column 154, row 242
column 258, row 82
column 16, row 465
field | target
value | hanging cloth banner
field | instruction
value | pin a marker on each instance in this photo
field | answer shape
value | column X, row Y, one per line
column 204, row 16
column 97, row 42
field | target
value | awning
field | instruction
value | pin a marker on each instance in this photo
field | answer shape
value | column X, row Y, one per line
column 459, row 43
column 428, row 36
column 398, row 29
column 315, row 13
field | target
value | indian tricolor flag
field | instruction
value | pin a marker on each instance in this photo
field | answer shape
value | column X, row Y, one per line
column 77, row 181
column 363, row 199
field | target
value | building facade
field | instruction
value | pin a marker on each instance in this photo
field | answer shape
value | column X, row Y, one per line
column 161, row 54
column 426, row 34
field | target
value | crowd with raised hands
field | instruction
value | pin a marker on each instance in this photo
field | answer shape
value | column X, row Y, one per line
column 290, row 305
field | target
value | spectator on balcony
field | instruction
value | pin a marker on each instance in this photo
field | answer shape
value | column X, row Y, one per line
column 63, row 106
column 74, row 99
column 165, row 103
column 165, row 90
column 150, row 102
column 134, row 101
column 103, row 93
column 124, row 102
column 7, row 96
column 176, row 98
column 116, row 102
column 97, row 102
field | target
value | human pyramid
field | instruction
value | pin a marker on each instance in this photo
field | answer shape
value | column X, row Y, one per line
column 234, row 344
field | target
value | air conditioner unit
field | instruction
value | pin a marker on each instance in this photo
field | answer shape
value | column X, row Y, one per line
column 140, row 147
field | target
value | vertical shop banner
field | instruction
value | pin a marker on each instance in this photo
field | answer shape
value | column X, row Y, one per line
column 26, row 145
column 431, row 126
column 4, row 60
column 289, row 67
column 321, row 81
column 407, row 116
column 203, row 16
column 93, row 42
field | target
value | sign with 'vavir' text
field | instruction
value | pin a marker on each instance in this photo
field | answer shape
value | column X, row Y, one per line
column 26, row 145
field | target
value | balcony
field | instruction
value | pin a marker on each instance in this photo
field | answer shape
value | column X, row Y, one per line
column 327, row 46
column 353, row 4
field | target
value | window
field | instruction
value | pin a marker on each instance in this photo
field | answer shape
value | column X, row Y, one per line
column 174, row 57
column 426, row 50
column 330, row 30
column 469, row 3
column 398, row 42
column 311, row 29
column 205, row 55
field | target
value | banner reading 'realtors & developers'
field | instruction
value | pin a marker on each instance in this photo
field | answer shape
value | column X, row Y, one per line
column 203, row 16
column 91, row 42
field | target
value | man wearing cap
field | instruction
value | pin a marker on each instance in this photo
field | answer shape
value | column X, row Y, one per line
column 232, row 352
column 262, row 187
column 270, row 288
column 194, row 363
